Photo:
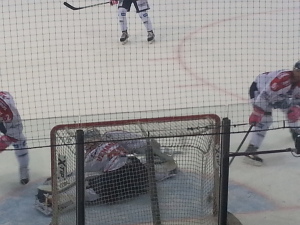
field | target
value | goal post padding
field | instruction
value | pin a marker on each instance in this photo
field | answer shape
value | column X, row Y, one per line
column 191, row 195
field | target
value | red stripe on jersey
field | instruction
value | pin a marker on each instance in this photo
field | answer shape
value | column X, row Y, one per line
column 111, row 149
column 281, row 81
column 5, row 112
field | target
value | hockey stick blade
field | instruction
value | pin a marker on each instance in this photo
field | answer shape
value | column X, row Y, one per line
column 84, row 7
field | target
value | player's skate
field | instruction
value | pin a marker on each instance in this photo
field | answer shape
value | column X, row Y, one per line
column 124, row 37
column 24, row 175
column 253, row 159
column 151, row 37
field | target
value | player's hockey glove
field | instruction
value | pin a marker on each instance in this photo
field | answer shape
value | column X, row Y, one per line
column 293, row 113
column 114, row 2
column 256, row 116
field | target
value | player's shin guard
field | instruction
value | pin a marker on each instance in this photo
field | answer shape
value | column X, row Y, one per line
column 148, row 25
column 21, row 152
column 146, row 20
column 122, row 18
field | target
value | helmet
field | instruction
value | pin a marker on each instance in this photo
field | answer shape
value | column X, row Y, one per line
column 297, row 65
column 92, row 134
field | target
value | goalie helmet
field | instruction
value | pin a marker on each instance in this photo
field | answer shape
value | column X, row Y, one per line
column 90, row 137
column 92, row 134
column 297, row 65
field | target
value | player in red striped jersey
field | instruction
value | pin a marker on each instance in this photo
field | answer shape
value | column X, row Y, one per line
column 12, row 128
column 273, row 90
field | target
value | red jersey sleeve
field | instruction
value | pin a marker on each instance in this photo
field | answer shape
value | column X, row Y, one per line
column 5, row 111
column 281, row 81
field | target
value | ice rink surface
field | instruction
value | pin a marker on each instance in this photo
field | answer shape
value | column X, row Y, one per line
column 61, row 65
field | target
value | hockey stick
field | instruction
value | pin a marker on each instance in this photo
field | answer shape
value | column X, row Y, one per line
column 83, row 7
column 238, row 149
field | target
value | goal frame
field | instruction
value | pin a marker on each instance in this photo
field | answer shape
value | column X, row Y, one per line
column 216, row 152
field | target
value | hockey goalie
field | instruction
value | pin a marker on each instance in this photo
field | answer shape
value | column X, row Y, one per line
column 120, row 174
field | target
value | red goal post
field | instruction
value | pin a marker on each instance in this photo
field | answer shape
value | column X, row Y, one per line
column 196, row 137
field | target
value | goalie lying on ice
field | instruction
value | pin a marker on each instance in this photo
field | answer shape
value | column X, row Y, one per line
column 120, row 175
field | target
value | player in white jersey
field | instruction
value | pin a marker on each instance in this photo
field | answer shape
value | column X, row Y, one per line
column 142, row 8
column 273, row 90
column 12, row 128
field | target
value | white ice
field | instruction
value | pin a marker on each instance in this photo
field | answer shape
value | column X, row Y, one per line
column 62, row 65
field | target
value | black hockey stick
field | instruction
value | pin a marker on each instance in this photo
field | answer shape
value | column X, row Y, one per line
column 238, row 149
column 84, row 7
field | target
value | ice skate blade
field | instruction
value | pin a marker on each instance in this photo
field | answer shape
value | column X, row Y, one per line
column 150, row 42
column 124, row 42
column 250, row 161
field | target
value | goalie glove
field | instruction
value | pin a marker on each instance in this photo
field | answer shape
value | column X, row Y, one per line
column 293, row 113
column 113, row 2
column 256, row 116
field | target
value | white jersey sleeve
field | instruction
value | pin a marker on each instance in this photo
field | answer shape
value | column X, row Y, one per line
column 105, row 157
column 274, row 89
column 10, row 116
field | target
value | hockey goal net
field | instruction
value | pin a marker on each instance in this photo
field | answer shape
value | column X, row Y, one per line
column 188, row 197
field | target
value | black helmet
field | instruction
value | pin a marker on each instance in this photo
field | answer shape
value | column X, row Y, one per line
column 297, row 65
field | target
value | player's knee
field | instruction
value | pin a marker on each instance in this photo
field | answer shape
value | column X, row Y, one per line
column 21, row 148
column 122, row 12
column 144, row 16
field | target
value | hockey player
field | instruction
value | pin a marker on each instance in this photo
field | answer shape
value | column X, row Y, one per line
column 121, row 175
column 12, row 129
column 273, row 90
column 142, row 8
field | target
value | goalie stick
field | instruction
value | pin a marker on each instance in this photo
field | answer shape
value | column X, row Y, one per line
column 83, row 7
